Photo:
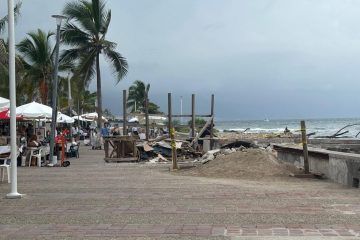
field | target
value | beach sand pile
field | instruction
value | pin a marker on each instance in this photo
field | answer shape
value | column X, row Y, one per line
column 249, row 164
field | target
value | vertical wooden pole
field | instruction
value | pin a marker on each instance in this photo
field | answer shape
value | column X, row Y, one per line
column 305, row 149
column 169, row 113
column 147, row 114
column 193, row 115
column 124, row 112
column 172, row 135
column 212, row 123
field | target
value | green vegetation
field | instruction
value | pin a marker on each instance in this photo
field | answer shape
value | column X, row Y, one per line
column 137, row 97
column 199, row 122
column 84, row 38
column 37, row 53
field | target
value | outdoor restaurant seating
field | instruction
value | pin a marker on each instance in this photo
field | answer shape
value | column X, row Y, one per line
column 6, row 166
column 36, row 153
column 74, row 150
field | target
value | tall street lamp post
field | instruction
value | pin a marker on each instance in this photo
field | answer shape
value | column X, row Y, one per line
column 70, row 104
column 12, row 92
column 59, row 19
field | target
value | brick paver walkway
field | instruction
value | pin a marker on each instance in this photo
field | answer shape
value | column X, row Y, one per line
column 94, row 200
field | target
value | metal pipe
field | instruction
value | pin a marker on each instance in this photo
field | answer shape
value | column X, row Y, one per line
column 70, row 104
column 55, row 87
column 12, row 92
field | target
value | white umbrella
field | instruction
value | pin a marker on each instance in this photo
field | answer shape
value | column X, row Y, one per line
column 4, row 103
column 62, row 118
column 133, row 120
column 34, row 110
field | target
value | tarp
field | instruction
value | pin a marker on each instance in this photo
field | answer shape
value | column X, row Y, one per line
column 4, row 103
column 34, row 110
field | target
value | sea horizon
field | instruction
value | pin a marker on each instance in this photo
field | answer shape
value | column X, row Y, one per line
column 319, row 126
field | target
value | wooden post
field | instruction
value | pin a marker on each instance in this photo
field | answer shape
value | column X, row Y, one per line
column 305, row 149
column 106, row 147
column 169, row 113
column 124, row 112
column 212, row 123
column 147, row 114
column 172, row 135
column 193, row 115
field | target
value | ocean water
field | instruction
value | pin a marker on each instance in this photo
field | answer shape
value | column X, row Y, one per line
column 322, row 127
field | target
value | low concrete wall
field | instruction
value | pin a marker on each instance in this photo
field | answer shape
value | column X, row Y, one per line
column 343, row 168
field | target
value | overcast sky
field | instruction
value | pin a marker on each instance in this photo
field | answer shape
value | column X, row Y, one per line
column 274, row 58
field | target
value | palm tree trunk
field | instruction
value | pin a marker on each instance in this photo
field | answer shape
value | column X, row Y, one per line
column 99, row 97
column 43, row 91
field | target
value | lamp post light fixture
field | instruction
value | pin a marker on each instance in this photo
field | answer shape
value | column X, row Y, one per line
column 12, row 92
column 59, row 19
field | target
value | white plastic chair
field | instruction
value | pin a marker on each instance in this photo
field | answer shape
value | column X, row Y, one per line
column 35, row 152
column 7, row 167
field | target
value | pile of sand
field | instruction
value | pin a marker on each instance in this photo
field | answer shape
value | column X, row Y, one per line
column 247, row 164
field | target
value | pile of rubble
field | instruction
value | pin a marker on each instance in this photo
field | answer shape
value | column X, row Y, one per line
column 160, row 151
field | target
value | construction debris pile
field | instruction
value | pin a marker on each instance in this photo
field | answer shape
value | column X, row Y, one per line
column 160, row 150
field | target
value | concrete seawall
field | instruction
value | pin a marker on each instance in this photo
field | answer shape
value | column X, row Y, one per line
column 343, row 168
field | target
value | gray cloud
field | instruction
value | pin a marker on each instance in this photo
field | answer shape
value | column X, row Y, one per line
column 283, row 58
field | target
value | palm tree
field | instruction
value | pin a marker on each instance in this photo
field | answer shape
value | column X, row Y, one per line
column 86, row 33
column 5, row 19
column 137, row 95
column 4, row 83
column 37, row 52
column 4, row 72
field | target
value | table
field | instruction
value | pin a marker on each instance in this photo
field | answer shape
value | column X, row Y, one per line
column 5, row 149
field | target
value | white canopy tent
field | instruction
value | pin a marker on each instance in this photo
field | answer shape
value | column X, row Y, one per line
column 80, row 118
column 34, row 110
column 62, row 118
column 133, row 120
column 4, row 103
column 93, row 116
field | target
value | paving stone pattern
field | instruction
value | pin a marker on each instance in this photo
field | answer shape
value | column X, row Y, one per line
column 94, row 200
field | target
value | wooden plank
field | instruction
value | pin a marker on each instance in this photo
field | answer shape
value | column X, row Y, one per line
column 212, row 123
column 202, row 131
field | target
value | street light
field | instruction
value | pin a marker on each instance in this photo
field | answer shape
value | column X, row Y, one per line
column 12, row 92
column 70, row 104
column 59, row 19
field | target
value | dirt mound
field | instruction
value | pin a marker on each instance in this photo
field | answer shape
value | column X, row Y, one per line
column 247, row 164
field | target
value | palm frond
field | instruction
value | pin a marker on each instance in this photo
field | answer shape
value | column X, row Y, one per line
column 118, row 63
column 74, row 36
column 5, row 19
column 82, row 13
column 86, row 66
